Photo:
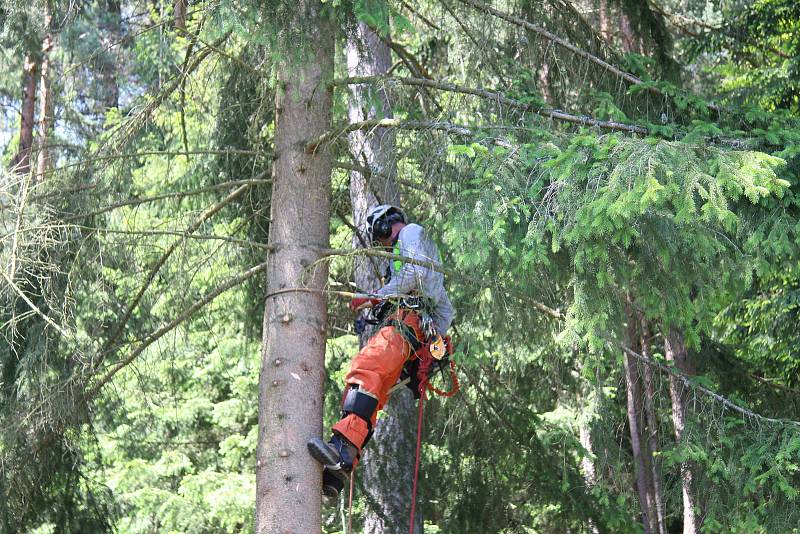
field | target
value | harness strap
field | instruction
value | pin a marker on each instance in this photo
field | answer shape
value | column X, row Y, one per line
column 408, row 333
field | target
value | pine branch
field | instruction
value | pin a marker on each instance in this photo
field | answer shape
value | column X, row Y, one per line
column 630, row 78
column 501, row 99
column 716, row 396
column 33, row 306
column 160, row 263
column 448, row 127
column 155, row 336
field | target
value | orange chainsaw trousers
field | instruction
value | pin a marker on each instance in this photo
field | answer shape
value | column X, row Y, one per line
column 375, row 369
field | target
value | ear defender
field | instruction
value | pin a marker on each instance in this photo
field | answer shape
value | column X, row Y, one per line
column 382, row 228
column 381, row 219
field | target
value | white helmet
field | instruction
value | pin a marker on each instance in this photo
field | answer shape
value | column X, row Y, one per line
column 380, row 220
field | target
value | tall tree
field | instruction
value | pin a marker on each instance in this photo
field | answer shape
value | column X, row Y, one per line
column 652, row 427
column 288, row 481
column 390, row 455
column 639, row 445
column 22, row 159
column 676, row 352
column 109, row 59
column 45, row 98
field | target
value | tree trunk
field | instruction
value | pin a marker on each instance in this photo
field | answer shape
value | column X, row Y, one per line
column 21, row 162
column 676, row 352
column 604, row 20
column 288, row 481
column 45, row 102
column 652, row 429
column 388, row 458
column 635, row 404
column 180, row 14
column 587, row 464
column 108, row 60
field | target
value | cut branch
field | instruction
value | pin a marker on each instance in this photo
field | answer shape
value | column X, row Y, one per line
column 434, row 266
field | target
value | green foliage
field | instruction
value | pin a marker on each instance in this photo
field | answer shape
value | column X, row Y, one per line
column 697, row 225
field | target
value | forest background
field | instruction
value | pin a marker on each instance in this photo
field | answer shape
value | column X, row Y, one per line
column 612, row 184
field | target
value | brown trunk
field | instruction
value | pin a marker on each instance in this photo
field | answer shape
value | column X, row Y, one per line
column 108, row 60
column 180, row 14
column 288, row 481
column 604, row 25
column 629, row 39
column 45, row 103
column 390, row 454
column 22, row 159
column 652, row 429
column 635, row 407
column 676, row 352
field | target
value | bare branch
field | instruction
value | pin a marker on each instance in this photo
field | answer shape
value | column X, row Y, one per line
column 155, row 336
column 178, row 195
column 500, row 98
column 33, row 306
column 395, row 123
column 716, row 396
column 368, row 172
column 184, row 235
column 628, row 77
column 160, row 263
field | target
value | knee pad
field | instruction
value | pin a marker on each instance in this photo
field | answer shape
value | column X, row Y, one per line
column 359, row 403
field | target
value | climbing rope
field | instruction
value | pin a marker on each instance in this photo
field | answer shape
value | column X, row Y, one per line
column 423, row 375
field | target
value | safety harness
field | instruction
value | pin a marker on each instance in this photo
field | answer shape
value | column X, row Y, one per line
column 429, row 355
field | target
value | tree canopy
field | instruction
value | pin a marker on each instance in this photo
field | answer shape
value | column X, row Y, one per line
column 612, row 185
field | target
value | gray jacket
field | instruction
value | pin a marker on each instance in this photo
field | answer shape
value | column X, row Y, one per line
column 408, row 278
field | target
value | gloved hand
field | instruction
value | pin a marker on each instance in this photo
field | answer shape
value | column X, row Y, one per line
column 359, row 303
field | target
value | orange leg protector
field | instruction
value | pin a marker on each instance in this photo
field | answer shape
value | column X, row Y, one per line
column 374, row 371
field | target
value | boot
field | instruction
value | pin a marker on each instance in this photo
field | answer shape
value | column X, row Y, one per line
column 337, row 456
column 332, row 485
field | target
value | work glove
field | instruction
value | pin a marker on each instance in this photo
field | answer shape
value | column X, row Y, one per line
column 359, row 303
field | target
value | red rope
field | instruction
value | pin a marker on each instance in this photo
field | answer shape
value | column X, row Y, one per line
column 350, row 503
column 416, row 462
column 426, row 361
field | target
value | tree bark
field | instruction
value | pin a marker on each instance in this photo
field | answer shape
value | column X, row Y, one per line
column 22, row 159
column 604, row 20
column 180, row 14
column 388, row 458
column 676, row 352
column 587, row 464
column 652, row 429
column 288, row 481
column 635, row 402
column 108, row 60
column 45, row 102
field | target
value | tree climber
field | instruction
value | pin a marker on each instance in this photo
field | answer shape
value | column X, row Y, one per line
column 411, row 310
